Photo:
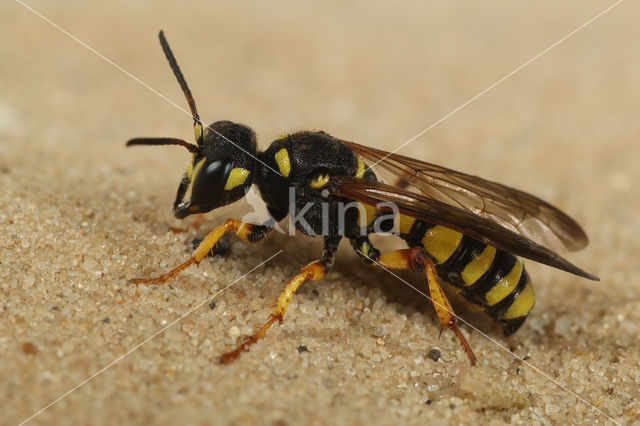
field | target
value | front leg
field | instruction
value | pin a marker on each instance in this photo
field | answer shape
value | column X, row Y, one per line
column 245, row 231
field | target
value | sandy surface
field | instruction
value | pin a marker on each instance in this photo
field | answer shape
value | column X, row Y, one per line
column 80, row 214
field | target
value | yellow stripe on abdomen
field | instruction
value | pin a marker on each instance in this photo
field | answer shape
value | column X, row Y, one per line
column 478, row 266
column 506, row 285
column 523, row 303
column 441, row 242
column 405, row 223
column 366, row 214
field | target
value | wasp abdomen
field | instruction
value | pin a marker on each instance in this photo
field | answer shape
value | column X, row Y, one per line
column 491, row 278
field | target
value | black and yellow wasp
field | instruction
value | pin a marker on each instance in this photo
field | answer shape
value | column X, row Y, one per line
column 464, row 230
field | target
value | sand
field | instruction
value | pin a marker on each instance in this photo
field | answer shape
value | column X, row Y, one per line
column 80, row 214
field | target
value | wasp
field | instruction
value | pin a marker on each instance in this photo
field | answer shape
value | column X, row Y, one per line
column 460, row 229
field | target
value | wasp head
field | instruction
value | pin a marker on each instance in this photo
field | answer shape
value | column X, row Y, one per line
column 220, row 172
column 223, row 163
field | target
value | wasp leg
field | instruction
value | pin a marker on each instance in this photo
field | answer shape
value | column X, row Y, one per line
column 416, row 259
column 313, row 271
column 222, row 247
column 245, row 231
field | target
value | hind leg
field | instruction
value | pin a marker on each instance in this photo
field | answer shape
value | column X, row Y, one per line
column 416, row 259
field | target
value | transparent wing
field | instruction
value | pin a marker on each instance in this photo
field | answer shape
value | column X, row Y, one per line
column 460, row 219
column 511, row 209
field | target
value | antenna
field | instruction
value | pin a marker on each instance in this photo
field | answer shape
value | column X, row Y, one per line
column 163, row 141
column 197, row 124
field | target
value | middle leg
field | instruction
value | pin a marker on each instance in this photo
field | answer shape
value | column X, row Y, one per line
column 313, row 271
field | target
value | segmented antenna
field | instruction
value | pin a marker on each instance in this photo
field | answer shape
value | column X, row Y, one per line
column 163, row 141
column 197, row 124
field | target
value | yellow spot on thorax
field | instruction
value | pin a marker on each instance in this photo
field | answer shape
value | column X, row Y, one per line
column 360, row 169
column 505, row 286
column 478, row 265
column 320, row 180
column 367, row 213
column 283, row 162
column 440, row 242
column 523, row 303
column 237, row 177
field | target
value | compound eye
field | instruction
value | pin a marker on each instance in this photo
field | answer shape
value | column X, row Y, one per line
column 320, row 180
column 209, row 182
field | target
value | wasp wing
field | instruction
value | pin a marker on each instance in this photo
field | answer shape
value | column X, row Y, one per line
column 462, row 220
column 507, row 207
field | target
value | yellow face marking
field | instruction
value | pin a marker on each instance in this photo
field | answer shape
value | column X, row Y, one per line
column 283, row 162
column 360, row 169
column 478, row 265
column 237, row 177
column 406, row 223
column 190, row 170
column 197, row 130
column 440, row 242
column 505, row 286
column 367, row 214
column 320, row 180
column 194, row 173
column 523, row 303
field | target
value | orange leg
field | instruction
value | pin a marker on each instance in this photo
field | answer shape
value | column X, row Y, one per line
column 242, row 230
column 313, row 271
column 415, row 259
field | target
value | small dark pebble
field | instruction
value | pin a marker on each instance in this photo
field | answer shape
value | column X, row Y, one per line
column 212, row 305
column 106, row 320
column 315, row 292
column 452, row 406
column 435, row 354
column 55, row 308
column 302, row 348
column 526, row 358
column 29, row 348
column 428, row 402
